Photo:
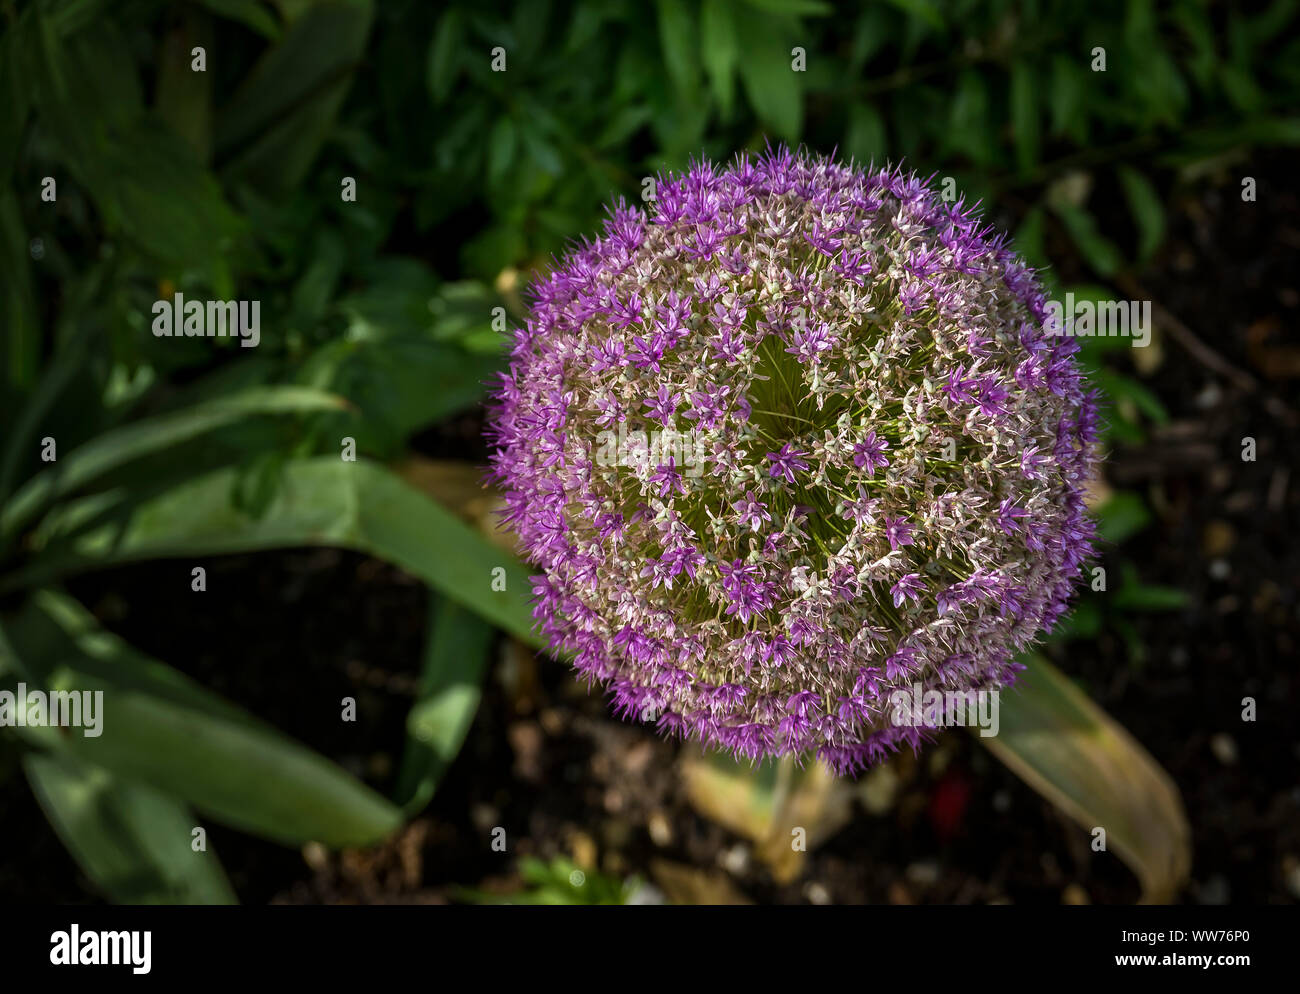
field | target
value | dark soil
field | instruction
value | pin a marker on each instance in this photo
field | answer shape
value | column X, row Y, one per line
column 288, row 635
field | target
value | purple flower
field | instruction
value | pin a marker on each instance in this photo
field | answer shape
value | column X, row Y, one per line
column 869, row 454
column 689, row 581
column 909, row 587
column 899, row 533
column 663, row 404
column 785, row 462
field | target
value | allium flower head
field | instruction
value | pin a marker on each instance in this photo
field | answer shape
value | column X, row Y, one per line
column 795, row 438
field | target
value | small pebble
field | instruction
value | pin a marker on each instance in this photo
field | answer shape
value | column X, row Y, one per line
column 924, row 873
column 734, row 860
column 661, row 832
column 816, row 893
column 1224, row 748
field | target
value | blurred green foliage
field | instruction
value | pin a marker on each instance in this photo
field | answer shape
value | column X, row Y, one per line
column 380, row 314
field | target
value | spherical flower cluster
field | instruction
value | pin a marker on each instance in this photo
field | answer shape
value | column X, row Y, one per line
column 797, row 438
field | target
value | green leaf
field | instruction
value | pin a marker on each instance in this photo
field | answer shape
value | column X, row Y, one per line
column 1068, row 99
column 720, row 50
column 131, row 840
column 15, row 93
column 58, row 374
column 140, row 438
column 1031, row 237
column 677, row 37
column 501, row 149
column 866, row 139
column 1121, row 517
column 923, row 10
column 322, row 501
column 250, row 13
column 1134, row 595
column 182, row 97
column 1075, row 755
column 774, row 89
column 161, row 729
column 1083, row 622
column 20, row 352
column 1098, row 251
column 444, row 55
column 1024, row 115
column 969, row 132
column 799, row 8
column 455, row 661
column 276, row 122
column 1119, row 387
column 1148, row 211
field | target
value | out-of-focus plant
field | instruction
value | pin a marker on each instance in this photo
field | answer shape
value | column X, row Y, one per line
column 560, row 882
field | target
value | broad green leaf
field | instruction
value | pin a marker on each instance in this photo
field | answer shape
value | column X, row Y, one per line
column 58, row 374
column 923, row 11
column 870, row 35
column 183, row 97
column 969, row 131
column 866, row 139
column 623, row 126
column 139, row 438
column 15, row 93
column 1122, row 516
column 1068, row 99
column 322, row 501
column 272, row 128
column 131, row 840
column 445, row 55
column 1124, row 388
column 1024, row 114
column 1083, row 622
column 774, row 89
column 800, row 8
column 20, row 351
column 720, row 51
column 1147, row 208
column 1058, row 741
column 501, row 149
column 161, row 729
column 1098, row 251
column 1031, row 237
column 455, row 661
column 146, row 182
column 678, row 36
column 250, row 13
column 1134, row 595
